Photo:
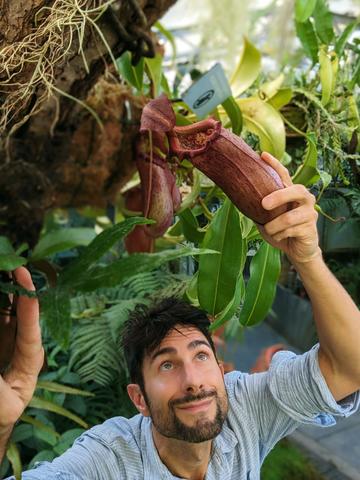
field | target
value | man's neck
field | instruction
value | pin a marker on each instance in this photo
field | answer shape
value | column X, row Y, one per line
column 183, row 459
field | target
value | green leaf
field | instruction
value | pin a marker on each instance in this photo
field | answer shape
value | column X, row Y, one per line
column 343, row 38
column 323, row 22
column 218, row 274
column 38, row 402
column 233, row 305
column 190, row 199
column 55, row 311
column 59, row 388
column 154, row 71
column 64, row 239
column 247, row 69
column 126, row 267
column 67, row 439
column 98, row 247
column 38, row 424
column 190, row 226
column 260, row 290
column 306, row 33
column 169, row 36
column 13, row 455
column 308, row 174
column 191, row 293
column 131, row 74
column 266, row 122
column 303, row 9
column 270, row 89
column 5, row 246
column 11, row 261
column 43, row 456
column 234, row 113
column 281, row 98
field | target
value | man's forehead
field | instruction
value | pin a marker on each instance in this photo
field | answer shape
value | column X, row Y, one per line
column 180, row 336
column 182, row 333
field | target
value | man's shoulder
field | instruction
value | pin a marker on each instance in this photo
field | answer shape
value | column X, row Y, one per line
column 120, row 429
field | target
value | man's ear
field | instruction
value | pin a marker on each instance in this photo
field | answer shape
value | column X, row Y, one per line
column 137, row 397
column 222, row 370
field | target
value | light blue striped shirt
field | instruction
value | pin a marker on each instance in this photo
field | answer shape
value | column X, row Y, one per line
column 263, row 408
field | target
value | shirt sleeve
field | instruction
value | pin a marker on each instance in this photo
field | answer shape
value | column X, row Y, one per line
column 298, row 387
column 291, row 392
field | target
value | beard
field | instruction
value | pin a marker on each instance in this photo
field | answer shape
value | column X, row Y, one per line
column 169, row 425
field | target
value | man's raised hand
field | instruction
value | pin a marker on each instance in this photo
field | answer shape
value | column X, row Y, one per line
column 17, row 385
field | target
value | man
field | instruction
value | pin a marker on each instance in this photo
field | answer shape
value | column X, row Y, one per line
column 194, row 422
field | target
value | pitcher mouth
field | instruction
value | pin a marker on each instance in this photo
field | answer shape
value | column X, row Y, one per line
column 192, row 140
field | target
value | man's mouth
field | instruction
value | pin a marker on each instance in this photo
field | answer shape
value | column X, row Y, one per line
column 197, row 406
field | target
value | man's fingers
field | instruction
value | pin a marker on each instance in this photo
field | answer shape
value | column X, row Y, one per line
column 28, row 338
column 298, row 216
column 278, row 167
column 295, row 193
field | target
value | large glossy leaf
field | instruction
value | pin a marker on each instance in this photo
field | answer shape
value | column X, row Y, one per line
column 98, row 247
column 247, row 70
column 55, row 311
column 261, row 287
column 233, row 305
column 218, row 274
column 303, row 9
column 234, row 113
column 266, row 122
column 13, row 455
column 323, row 22
column 308, row 174
column 306, row 33
column 60, row 240
column 126, row 267
column 38, row 402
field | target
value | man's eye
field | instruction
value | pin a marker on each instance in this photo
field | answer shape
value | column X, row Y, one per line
column 202, row 356
column 166, row 366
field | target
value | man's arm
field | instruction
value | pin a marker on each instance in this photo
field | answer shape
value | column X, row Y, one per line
column 338, row 325
column 336, row 316
column 18, row 384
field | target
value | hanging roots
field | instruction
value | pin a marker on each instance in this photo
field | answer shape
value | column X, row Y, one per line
column 27, row 67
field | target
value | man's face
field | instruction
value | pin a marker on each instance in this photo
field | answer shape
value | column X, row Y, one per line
column 184, row 387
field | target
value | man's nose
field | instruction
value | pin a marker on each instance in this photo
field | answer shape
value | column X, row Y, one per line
column 193, row 381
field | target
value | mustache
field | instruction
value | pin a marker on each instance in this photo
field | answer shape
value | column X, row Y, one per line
column 193, row 398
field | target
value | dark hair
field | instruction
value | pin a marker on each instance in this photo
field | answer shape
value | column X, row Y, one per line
column 148, row 326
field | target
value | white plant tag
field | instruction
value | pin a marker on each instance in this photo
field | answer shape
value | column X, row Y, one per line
column 208, row 91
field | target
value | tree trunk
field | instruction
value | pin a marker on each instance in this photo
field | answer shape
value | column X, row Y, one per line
column 52, row 151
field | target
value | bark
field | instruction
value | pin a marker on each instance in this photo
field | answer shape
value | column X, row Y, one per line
column 59, row 157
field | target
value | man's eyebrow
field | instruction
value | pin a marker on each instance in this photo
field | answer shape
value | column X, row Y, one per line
column 191, row 346
column 196, row 343
column 162, row 351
